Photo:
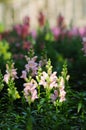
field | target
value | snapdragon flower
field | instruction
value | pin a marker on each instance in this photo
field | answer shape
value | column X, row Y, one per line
column 49, row 81
column 9, row 77
column 62, row 95
column 54, row 95
column 24, row 74
column 62, row 92
column 10, row 73
column 61, row 83
column 30, row 91
column 30, row 68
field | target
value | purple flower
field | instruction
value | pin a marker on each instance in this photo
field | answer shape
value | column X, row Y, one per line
column 56, row 32
column 32, row 66
column 54, row 96
column 24, row 74
column 82, row 31
column 31, row 85
column 74, row 31
column 34, row 34
column 14, row 73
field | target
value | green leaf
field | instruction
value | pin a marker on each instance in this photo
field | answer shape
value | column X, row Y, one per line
column 79, row 106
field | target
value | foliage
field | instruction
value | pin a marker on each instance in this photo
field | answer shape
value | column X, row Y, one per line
column 43, row 85
column 47, row 90
column 5, row 54
column 4, row 47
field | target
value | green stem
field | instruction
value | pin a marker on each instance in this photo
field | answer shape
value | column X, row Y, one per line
column 29, row 120
column 47, row 94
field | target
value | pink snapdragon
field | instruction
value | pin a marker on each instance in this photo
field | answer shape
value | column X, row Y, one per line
column 14, row 73
column 30, row 91
column 54, row 96
column 53, row 80
column 6, row 78
column 10, row 73
column 56, row 32
column 74, row 31
column 18, row 29
column 49, row 81
column 24, row 74
column 82, row 31
column 23, row 30
column 32, row 66
column 62, row 95
column 62, row 92
column 43, row 80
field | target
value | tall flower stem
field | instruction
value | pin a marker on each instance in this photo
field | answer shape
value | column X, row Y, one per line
column 29, row 119
column 47, row 94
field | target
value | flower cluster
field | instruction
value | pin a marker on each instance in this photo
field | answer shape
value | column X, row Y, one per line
column 9, row 77
column 31, row 67
column 62, row 92
column 43, row 83
column 30, row 72
column 23, row 30
column 48, row 81
column 30, row 91
column 10, row 73
column 52, row 82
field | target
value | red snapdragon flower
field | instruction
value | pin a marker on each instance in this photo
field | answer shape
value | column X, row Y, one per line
column 61, row 22
column 41, row 19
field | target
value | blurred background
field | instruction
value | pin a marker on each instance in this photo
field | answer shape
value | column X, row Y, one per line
column 13, row 11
